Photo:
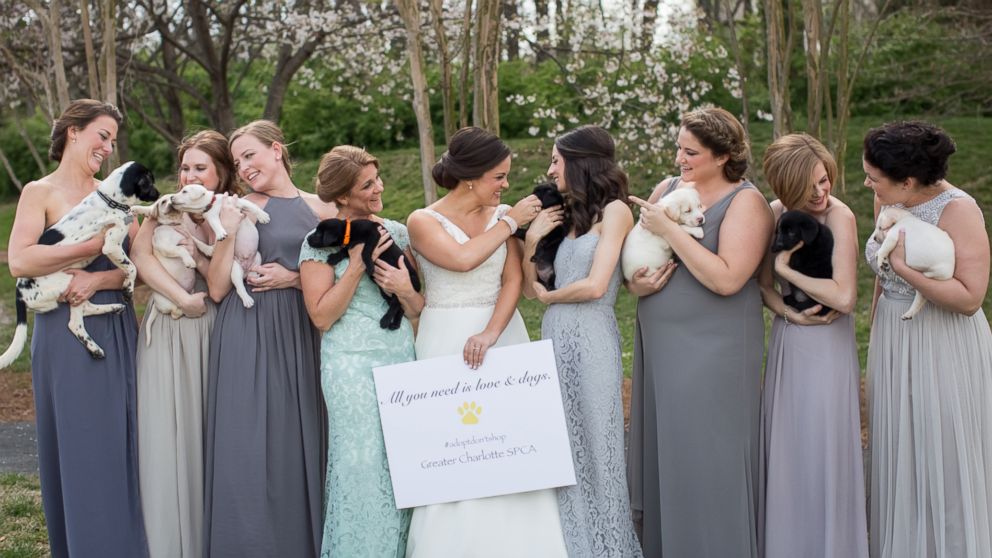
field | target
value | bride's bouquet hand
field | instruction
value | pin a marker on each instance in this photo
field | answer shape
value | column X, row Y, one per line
column 476, row 347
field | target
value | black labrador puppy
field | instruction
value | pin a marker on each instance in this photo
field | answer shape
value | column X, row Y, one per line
column 813, row 259
column 346, row 233
column 547, row 247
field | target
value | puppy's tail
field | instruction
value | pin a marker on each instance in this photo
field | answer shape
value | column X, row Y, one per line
column 153, row 313
column 20, row 334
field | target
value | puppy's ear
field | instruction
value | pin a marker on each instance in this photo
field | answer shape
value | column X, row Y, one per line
column 673, row 209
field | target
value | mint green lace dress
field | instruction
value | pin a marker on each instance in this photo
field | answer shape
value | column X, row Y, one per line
column 360, row 517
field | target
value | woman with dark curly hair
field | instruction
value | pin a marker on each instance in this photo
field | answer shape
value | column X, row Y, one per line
column 698, row 345
column 595, row 512
column 930, row 377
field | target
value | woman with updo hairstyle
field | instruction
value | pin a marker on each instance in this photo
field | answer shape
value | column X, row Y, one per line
column 698, row 344
column 930, row 377
column 85, row 408
column 264, row 434
column 360, row 515
column 172, row 365
column 812, row 492
column 595, row 512
column 472, row 279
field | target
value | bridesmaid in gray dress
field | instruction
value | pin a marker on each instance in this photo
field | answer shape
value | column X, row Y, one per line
column 84, row 407
column 693, row 462
column 595, row 512
column 812, row 491
column 264, row 434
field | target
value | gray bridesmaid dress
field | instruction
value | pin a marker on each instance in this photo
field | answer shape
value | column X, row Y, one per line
column 87, row 431
column 595, row 512
column 693, row 461
column 265, row 437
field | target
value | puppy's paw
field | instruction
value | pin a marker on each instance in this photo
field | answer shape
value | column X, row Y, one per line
column 221, row 236
column 118, row 309
column 263, row 217
column 883, row 264
column 247, row 301
column 97, row 353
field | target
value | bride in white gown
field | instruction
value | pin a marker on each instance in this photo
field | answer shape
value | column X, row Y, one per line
column 472, row 279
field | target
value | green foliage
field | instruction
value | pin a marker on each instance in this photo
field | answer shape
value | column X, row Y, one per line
column 17, row 151
column 22, row 522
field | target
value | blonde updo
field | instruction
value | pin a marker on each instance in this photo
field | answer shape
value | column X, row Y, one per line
column 339, row 170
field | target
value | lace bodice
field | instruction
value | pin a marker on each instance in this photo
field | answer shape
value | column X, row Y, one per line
column 444, row 288
column 930, row 212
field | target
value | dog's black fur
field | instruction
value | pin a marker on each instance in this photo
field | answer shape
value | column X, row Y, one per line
column 812, row 260
column 547, row 247
column 330, row 233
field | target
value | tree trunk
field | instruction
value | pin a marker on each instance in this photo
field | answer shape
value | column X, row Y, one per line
column 511, row 13
column 648, row 18
column 485, row 109
column 444, row 59
column 735, row 47
column 410, row 12
column 466, row 65
column 778, row 67
column 110, row 60
column 813, row 16
column 843, row 110
column 22, row 131
column 10, row 171
column 543, row 24
column 91, row 71
column 55, row 45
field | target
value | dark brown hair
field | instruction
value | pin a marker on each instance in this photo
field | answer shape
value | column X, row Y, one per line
column 339, row 169
column 722, row 134
column 214, row 144
column 592, row 175
column 472, row 152
column 78, row 115
column 909, row 149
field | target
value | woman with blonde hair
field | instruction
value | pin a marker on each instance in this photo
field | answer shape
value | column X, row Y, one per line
column 812, row 490
column 360, row 517
column 264, row 435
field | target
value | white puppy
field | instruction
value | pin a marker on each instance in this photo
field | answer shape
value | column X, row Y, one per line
column 198, row 200
column 643, row 248
column 929, row 249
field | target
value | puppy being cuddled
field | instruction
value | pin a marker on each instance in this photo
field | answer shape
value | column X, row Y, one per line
column 344, row 233
column 929, row 249
column 547, row 247
column 108, row 206
column 643, row 248
column 814, row 259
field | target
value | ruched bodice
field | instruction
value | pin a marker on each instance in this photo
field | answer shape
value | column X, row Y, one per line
column 444, row 288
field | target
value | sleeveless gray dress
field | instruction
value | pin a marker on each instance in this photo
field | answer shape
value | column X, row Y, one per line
column 930, row 398
column 265, row 437
column 87, row 431
column 595, row 512
column 693, row 462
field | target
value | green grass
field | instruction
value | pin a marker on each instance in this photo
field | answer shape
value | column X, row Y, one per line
column 22, row 523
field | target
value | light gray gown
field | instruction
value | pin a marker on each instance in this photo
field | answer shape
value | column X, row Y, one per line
column 595, row 512
column 693, row 461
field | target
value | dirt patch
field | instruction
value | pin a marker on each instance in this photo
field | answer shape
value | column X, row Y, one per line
column 16, row 397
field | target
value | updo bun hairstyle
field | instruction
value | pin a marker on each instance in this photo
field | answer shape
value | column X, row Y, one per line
column 903, row 150
column 721, row 132
column 78, row 115
column 472, row 152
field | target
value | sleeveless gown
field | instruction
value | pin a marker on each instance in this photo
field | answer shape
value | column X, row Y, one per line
column 360, row 518
column 930, row 392
column 595, row 512
column 264, row 437
column 86, row 414
column 525, row 525
column 693, row 461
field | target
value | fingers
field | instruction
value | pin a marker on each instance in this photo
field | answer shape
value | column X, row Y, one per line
column 812, row 310
column 640, row 202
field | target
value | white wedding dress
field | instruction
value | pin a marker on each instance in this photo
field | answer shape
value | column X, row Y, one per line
column 459, row 305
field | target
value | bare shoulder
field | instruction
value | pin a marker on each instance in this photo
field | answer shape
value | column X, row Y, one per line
column 618, row 210
column 257, row 199
column 659, row 190
column 962, row 210
column 777, row 208
column 750, row 200
column 839, row 213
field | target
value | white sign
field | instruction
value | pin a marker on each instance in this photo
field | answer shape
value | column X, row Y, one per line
column 453, row 433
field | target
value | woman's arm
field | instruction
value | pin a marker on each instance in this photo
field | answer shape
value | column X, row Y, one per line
column 153, row 274
column 840, row 291
column 326, row 299
column 964, row 292
column 27, row 258
column 617, row 222
column 506, row 305
column 429, row 239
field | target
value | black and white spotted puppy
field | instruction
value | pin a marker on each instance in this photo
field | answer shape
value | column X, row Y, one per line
column 109, row 205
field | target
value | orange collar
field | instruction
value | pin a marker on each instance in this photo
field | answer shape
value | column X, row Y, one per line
column 347, row 232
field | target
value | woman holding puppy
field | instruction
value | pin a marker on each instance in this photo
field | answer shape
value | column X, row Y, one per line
column 595, row 512
column 265, row 416
column 811, row 496
column 931, row 376
column 471, row 286
column 698, row 345
column 172, row 367
column 360, row 515
column 84, row 407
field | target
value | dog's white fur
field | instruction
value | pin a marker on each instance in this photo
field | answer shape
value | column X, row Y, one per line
column 81, row 223
column 929, row 249
column 643, row 248
column 195, row 199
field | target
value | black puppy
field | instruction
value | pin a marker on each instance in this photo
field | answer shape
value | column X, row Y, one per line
column 813, row 259
column 346, row 233
column 547, row 247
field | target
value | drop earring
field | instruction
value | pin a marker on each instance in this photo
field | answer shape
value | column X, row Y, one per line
column 469, row 185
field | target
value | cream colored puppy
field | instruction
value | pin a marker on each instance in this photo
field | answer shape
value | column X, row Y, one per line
column 929, row 249
column 643, row 248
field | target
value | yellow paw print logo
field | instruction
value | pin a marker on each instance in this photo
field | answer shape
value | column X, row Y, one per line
column 470, row 413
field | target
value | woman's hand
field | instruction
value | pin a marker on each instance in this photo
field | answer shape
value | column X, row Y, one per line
column 541, row 293
column 81, row 287
column 230, row 215
column 355, row 262
column 393, row 280
column 643, row 283
column 810, row 316
column 525, row 210
column 545, row 222
column 783, row 258
column 476, row 347
column 270, row 276
column 654, row 219
column 194, row 305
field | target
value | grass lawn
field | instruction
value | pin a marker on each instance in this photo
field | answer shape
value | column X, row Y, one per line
column 22, row 523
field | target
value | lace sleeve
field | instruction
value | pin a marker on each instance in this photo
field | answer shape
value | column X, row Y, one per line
column 399, row 233
column 309, row 253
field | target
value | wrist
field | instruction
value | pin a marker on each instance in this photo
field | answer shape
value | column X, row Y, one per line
column 785, row 315
column 510, row 222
